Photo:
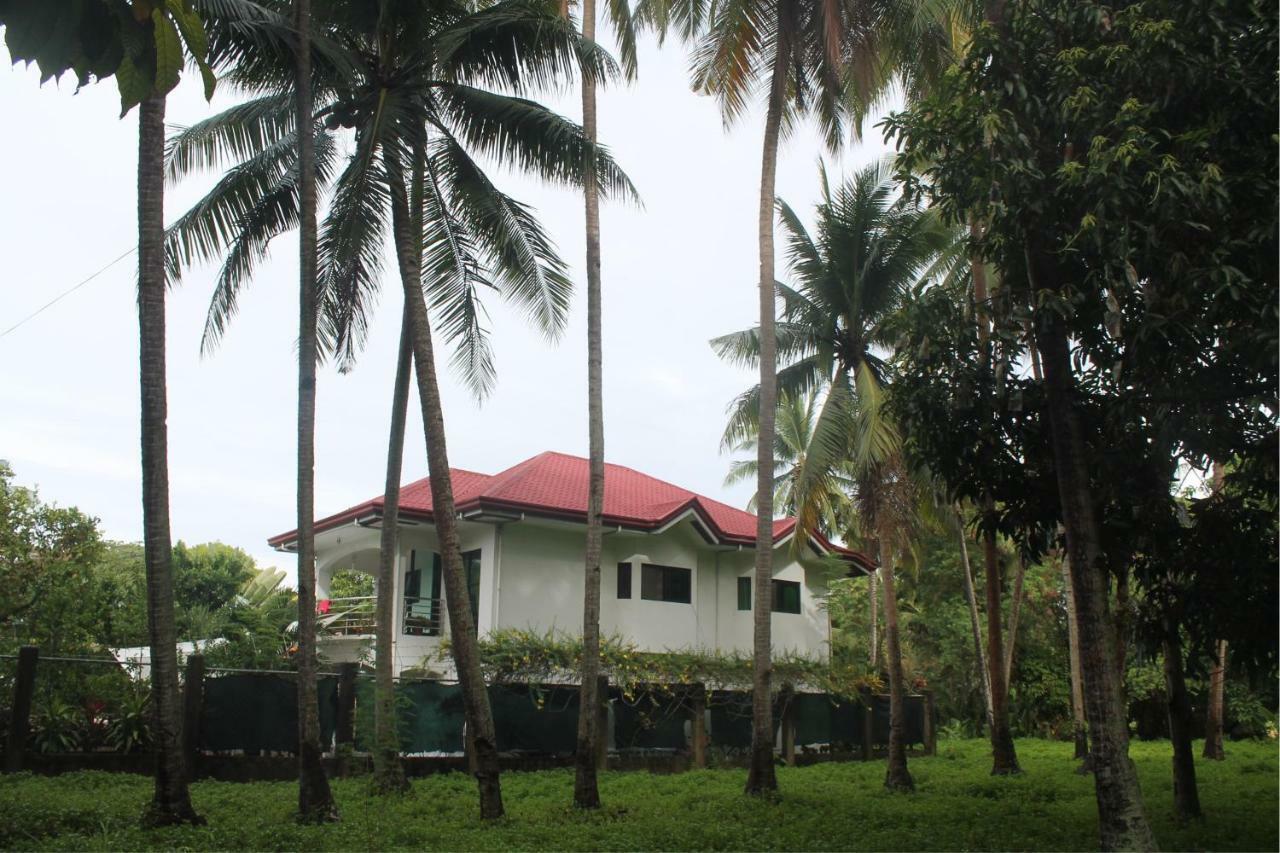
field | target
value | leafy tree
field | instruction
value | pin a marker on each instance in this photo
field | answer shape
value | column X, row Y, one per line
column 45, row 554
column 1119, row 156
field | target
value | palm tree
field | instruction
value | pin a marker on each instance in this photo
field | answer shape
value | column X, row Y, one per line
column 411, row 87
column 586, row 790
column 315, row 799
column 824, row 506
column 871, row 249
column 813, row 57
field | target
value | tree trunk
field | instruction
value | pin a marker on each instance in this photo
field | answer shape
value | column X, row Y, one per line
column 897, row 777
column 1216, row 717
column 1122, row 821
column 462, row 629
column 1081, row 731
column 315, row 800
column 761, row 777
column 1015, row 609
column 1186, row 797
column 1004, row 759
column 975, row 623
column 586, row 790
column 388, row 771
column 171, row 802
column 873, row 597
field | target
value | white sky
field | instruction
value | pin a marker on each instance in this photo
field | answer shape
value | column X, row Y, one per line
column 676, row 273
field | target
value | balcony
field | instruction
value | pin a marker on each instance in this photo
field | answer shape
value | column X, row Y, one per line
column 357, row 616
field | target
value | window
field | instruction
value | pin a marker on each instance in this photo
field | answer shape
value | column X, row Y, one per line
column 666, row 583
column 624, row 580
column 471, row 565
column 786, row 597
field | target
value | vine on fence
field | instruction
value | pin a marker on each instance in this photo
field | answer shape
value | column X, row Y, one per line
column 514, row 656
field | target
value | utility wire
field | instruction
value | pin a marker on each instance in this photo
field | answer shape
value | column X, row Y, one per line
column 66, row 293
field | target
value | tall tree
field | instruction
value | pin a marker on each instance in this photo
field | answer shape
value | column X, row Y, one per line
column 586, row 790
column 315, row 799
column 870, row 250
column 142, row 46
column 403, row 74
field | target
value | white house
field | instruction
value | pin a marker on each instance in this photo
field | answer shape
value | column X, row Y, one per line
column 676, row 566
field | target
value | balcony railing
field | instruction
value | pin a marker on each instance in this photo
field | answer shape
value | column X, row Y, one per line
column 422, row 616
column 348, row 617
column 357, row 616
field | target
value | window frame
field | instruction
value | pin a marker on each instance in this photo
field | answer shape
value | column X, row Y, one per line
column 624, row 582
column 664, row 584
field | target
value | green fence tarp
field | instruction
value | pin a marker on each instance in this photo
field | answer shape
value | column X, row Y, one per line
column 535, row 719
column 259, row 713
column 813, row 714
column 429, row 716
column 730, row 719
column 650, row 722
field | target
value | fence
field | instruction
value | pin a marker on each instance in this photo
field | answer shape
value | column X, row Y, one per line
column 252, row 715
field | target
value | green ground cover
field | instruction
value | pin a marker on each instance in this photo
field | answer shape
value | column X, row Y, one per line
column 833, row 806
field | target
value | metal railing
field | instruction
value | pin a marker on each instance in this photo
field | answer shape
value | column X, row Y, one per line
column 422, row 616
column 347, row 617
column 356, row 616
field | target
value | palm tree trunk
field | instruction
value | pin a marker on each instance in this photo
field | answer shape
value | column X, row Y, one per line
column 897, row 777
column 873, row 597
column 315, row 800
column 462, row 629
column 586, row 791
column 1122, row 821
column 1004, row 759
column 1015, row 609
column 761, row 777
column 1216, row 716
column 975, row 623
column 1186, row 797
column 171, row 802
column 388, row 771
column 1081, row 731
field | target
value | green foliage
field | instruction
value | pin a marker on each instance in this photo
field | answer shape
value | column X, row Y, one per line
column 958, row 805
column 140, row 42
column 526, row 657
column 351, row 584
column 45, row 555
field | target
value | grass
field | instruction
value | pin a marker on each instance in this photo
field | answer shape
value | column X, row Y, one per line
column 958, row 806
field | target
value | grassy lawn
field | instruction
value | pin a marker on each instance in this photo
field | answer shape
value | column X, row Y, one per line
column 958, row 806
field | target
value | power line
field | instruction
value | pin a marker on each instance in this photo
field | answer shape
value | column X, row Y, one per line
column 66, row 293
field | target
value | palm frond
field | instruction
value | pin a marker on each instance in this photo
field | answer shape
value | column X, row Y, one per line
column 236, row 134
column 526, row 135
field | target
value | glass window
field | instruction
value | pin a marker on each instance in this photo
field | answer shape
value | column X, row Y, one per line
column 786, row 597
column 744, row 593
column 624, row 580
column 666, row 583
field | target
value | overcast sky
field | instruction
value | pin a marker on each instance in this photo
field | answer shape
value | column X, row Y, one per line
column 676, row 273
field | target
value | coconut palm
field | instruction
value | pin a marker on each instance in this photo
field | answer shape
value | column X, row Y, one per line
column 586, row 791
column 825, row 506
column 870, row 250
column 416, row 88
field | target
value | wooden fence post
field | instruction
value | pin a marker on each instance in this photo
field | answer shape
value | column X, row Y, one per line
column 930, row 729
column 192, row 705
column 602, row 722
column 868, row 718
column 787, row 697
column 698, row 725
column 345, row 725
column 24, row 685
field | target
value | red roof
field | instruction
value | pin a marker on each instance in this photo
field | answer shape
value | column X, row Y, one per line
column 555, row 485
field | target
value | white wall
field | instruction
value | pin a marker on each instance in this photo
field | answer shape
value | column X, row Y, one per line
column 531, row 577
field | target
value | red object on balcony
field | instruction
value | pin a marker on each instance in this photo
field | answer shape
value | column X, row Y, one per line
column 324, row 606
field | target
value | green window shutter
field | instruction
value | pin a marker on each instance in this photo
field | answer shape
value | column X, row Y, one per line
column 624, row 580
column 744, row 593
